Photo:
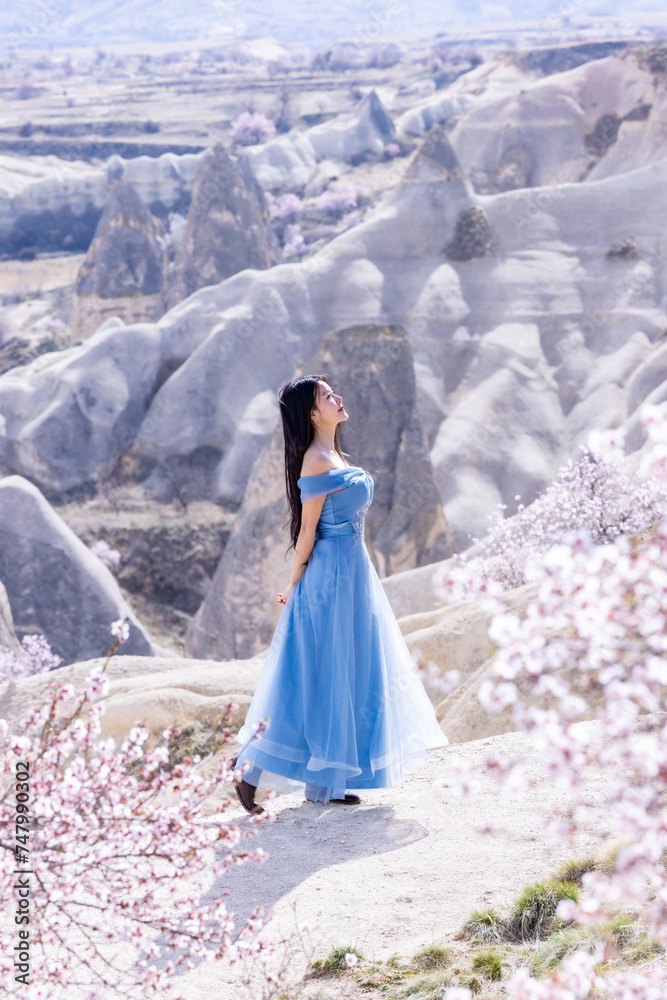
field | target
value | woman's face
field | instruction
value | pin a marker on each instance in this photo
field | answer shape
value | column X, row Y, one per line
column 329, row 405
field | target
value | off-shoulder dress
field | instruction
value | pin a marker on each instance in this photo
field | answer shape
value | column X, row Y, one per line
column 345, row 704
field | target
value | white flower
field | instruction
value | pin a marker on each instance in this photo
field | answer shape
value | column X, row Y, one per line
column 105, row 553
column 609, row 445
column 350, row 960
column 496, row 697
column 120, row 629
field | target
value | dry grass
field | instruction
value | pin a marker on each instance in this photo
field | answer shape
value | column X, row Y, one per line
column 529, row 936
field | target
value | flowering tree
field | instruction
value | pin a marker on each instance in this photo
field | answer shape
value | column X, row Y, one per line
column 252, row 128
column 103, row 845
column 34, row 657
column 288, row 207
column 294, row 242
column 338, row 201
column 608, row 600
column 595, row 493
column 105, row 553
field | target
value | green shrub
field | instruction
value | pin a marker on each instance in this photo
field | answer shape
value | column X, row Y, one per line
column 642, row 949
column 432, row 957
column 335, row 961
column 484, row 926
column 558, row 946
column 572, row 871
column 631, row 938
column 622, row 928
column 425, row 985
column 489, row 964
column 534, row 911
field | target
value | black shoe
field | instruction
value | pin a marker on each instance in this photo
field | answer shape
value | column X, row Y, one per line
column 245, row 793
column 349, row 800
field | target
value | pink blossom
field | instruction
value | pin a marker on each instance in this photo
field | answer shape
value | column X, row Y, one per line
column 606, row 602
column 252, row 128
column 338, row 201
column 496, row 697
column 287, row 207
column 120, row 629
column 130, row 833
column 105, row 553
column 294, row 242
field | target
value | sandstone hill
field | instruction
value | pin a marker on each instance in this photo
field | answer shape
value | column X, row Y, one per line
column 523, row 316
column 291, row 159
column 124, row 269
column 511, row 306
column 54, row 204
column 227, row 228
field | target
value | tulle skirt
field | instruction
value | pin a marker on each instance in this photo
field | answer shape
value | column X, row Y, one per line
column 346, row 708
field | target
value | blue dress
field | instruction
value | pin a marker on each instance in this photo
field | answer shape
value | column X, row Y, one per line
column 345, row 704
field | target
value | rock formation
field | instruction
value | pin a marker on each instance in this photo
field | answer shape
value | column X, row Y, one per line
column 123, row 271
column 352, row 137
column 159, row 690
column 8, row 638
column 168, row 560
column 372, row 367
column 291, row 159
column 55, row 585
column 597, row 120
column 518, row 353
column 55, row 204
column 98, row 395
column 227, row 229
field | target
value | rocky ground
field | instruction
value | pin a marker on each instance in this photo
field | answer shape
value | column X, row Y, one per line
column 167, row 553
column 395, row 879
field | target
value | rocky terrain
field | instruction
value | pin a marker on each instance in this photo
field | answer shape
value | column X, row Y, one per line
column 124, row 270
column 464, row 233
column 431, row 856
column 501, row 276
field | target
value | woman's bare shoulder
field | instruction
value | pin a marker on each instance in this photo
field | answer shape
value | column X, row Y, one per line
column 315, row 463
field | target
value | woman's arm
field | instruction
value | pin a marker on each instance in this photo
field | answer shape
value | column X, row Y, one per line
column 310, row 515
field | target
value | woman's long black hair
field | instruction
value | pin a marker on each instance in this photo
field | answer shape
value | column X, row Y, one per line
column 297, row 399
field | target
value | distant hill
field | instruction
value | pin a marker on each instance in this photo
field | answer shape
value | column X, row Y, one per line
column 99, row 22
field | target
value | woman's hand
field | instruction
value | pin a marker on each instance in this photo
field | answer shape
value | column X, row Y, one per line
column 282, row 598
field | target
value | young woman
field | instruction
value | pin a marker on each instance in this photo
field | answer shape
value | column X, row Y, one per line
column 345, row 705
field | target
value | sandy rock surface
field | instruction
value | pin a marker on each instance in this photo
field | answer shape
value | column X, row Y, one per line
column 55, row 584
column 157, row 688
column 404, row 868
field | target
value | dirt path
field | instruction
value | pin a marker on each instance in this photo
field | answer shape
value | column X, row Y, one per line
column 403, row 869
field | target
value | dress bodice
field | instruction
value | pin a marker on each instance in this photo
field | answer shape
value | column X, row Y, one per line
column 348, row 493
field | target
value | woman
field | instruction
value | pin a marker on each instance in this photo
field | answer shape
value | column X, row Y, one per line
column 345, row 705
